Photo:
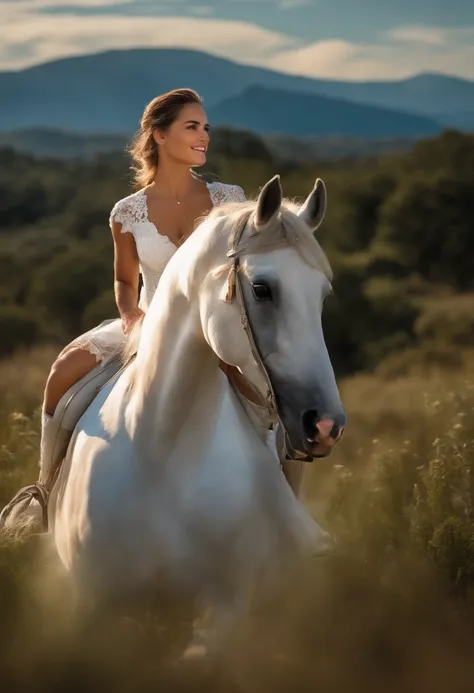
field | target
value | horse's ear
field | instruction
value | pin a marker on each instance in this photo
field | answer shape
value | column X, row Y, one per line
column 269, row 202
column 313, row 210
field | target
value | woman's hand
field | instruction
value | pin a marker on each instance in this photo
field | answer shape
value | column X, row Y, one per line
column 129, row 319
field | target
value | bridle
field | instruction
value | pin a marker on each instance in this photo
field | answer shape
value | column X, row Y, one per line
column 234, row 289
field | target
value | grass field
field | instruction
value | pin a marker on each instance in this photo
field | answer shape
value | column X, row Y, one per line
column 392, row 610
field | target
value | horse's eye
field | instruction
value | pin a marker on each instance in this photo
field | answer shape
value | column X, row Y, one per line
column 262, row 292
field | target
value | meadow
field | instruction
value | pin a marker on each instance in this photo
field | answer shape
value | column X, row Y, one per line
column 393, row 608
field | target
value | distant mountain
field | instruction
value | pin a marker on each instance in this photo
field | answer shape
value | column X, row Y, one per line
column 268, row 111
column 107, row 92
column 460, row 120
column 426, row 93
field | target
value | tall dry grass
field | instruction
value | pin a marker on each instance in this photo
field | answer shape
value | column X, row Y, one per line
column 391, row 610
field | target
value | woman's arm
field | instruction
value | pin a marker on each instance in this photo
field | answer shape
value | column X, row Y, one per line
column 126, row 276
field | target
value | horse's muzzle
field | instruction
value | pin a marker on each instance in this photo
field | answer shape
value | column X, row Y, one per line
column 321, row 434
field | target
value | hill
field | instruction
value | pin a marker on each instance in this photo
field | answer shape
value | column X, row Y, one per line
column 264, row 110
column 106, row 92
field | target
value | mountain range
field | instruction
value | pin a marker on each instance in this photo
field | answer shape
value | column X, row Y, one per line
column 106, row 93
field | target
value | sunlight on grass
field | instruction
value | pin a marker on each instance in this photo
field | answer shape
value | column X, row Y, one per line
column 391, row 610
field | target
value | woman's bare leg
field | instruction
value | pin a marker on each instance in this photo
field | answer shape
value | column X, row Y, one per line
column 70, row 366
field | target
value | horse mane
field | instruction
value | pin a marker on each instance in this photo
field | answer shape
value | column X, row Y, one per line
column 286, row 228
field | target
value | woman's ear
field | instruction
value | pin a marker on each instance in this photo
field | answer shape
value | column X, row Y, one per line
column 158, row 136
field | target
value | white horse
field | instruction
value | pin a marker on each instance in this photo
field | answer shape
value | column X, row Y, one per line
column 170, row 479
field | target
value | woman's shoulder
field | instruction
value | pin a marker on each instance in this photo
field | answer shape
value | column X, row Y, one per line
column 129, row 210
column 224, row 192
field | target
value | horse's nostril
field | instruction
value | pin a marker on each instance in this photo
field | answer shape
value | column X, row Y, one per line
column 325, row 427
column 310, row 420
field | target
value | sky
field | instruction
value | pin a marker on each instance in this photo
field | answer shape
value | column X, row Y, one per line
column 336, row 39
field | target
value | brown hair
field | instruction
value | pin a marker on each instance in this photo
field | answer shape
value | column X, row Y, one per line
column 159, row 113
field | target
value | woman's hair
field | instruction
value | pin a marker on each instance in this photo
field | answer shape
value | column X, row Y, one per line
column 160, row 114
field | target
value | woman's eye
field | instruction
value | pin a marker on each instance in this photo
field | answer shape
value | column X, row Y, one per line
column 261, row 291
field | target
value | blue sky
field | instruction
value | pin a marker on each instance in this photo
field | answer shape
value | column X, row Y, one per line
column 349, row 39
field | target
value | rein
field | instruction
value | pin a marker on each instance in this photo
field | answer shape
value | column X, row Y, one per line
column 235, row 289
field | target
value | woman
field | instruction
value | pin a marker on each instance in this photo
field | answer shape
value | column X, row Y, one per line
column 147, row 227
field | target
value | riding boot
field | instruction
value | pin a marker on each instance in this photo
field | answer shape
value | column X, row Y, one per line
column 54, row 444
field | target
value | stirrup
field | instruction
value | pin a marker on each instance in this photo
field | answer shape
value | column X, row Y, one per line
column 37, row 492
column 54, row 444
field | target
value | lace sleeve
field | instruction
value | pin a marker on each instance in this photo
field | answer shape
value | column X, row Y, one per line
column 122, row 213
column 222, row 193
column 237, row 194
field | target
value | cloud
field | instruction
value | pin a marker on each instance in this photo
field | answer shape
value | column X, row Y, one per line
column 29, row 36
column 405, row 51
column 431, row 36
column 47, row 37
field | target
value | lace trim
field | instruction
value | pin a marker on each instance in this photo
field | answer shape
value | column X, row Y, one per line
column 92, row 348
column 130, row 211
column 221, row 193
column 133, row 210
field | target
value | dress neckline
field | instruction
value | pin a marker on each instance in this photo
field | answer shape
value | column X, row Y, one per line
column 142, row 192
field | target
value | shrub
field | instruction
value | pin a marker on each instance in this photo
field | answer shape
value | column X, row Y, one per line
column 18, row 328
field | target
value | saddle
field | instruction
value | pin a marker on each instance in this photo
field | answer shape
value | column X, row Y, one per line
column 70, row 408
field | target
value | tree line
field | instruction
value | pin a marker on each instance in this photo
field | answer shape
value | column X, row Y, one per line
column 398, row 233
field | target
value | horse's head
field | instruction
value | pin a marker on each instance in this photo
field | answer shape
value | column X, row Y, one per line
column 278, row 281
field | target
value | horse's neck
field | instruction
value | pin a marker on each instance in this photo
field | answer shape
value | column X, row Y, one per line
column 175, row 371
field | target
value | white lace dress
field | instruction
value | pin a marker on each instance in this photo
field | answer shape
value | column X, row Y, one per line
column 154, row 252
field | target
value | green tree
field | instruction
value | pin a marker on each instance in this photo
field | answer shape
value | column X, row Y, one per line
column 18, row 328
column 62, row 290
column 429, row 222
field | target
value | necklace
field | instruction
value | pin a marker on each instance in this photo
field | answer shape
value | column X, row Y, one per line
column 178, row 201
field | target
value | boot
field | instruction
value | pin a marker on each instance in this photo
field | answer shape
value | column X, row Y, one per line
column 54, row 444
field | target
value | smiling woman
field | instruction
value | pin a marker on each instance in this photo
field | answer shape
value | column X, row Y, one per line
column 147, row 228
column 177, row 123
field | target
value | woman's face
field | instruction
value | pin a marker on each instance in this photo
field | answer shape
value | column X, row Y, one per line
column 187, row 139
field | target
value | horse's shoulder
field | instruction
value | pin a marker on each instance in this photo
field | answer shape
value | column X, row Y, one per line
column 223, row 193
column 129, row 210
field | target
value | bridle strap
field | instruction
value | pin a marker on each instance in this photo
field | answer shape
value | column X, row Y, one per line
column 235, row 288
column 271, row 401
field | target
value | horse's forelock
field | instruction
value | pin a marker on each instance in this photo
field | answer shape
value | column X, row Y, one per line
column 286, row 228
